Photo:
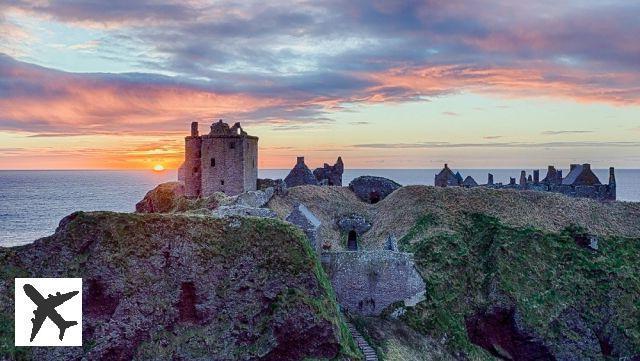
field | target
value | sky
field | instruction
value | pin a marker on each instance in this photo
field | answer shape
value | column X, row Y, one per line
column 385, row 84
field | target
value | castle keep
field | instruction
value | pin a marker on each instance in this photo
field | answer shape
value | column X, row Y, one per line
column 225, row 160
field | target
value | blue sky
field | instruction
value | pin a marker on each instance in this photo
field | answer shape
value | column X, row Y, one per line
column 385, row 84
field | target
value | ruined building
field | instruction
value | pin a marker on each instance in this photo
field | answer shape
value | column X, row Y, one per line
column 326, row 176
column 330, row 175
column 446, row 178
column 225, row 160
column 579, row 182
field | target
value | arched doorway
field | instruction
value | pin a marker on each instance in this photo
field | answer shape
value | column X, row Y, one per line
column 374, row 197
column 352, row 241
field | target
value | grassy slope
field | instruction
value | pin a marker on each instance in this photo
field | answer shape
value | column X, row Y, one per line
column 398, row 212
column 543, row 271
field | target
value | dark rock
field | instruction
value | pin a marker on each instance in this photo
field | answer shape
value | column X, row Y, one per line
column 373, row 189
column 574, row 341
column 178, row 287
column 499, row 329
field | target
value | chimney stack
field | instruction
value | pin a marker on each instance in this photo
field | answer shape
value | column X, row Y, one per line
column 523, row 179
column 536, row 176
column 194, row 129
column 490, row 180
column 300, row 160
column 612, row 176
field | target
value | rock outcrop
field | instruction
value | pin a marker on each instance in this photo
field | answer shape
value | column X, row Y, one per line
column 278, row 185
column 170, row 286
column 161, row 199
column 373, row 189
column 170, row 197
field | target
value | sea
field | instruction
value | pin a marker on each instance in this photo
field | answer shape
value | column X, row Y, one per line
column 32, row 203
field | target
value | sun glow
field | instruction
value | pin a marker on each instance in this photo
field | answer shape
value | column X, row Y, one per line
column 158, row 168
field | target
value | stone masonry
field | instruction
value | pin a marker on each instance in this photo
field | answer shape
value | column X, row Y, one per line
column 366, row 282
column 225, row 160
column 330, row 175
column 579, row 182
column 300, row 175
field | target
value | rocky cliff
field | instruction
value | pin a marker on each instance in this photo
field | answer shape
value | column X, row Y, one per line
column 523, row 293
column 180, row 287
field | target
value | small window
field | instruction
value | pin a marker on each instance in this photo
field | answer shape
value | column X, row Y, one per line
column 221, row 182
column 213, row 162
column 195, row 170
column 232, row 145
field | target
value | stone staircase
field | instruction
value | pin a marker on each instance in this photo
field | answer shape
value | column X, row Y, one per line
column 367, row 350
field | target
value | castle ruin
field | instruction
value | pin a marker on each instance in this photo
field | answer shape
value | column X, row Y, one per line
column 579, row 182
column 225, row 160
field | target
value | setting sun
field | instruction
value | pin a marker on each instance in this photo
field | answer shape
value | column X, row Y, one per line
column 158, row 168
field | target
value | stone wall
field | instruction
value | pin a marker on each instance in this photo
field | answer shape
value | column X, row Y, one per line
column 226, row 160
column 192, row 166
column 366, row 282
column 221, row 165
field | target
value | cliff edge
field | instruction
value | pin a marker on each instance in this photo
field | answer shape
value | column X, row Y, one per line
column 169, row 286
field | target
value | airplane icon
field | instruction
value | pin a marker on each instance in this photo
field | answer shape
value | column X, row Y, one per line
column 46, row 308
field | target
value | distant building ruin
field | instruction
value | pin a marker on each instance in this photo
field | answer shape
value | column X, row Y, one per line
column 579, row 182
column 225, row 160
column 326, row 176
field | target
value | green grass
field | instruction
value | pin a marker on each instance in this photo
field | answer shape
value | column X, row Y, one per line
column 543, row 272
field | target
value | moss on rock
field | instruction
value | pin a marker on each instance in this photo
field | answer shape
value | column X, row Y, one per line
column 482, row 263
column 188, row 286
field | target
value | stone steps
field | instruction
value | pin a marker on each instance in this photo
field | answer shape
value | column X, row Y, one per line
column 367, row 350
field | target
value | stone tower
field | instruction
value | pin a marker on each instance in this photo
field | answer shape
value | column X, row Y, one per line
column 225, row 160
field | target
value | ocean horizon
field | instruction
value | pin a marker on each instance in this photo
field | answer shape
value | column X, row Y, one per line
column 34, row 201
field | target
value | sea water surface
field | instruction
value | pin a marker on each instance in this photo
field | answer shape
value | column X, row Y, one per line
column 33, row 202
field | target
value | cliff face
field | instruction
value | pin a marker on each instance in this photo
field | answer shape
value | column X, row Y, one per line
column 522, row 293
column 183, row 287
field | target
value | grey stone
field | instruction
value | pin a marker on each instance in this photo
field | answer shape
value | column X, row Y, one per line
column 302, row 217
column 367, row 282
column 241, row 210
column 373, row 189
column 575, row 341
column 278, row 185
column 254, row 199
column 354, row 222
